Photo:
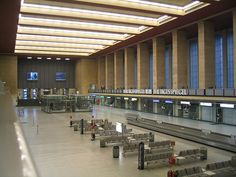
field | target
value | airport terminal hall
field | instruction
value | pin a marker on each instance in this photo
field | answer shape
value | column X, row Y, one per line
column 118, row 88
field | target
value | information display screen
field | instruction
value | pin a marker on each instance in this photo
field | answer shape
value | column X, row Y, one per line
column 60, row 76
column 32, row 76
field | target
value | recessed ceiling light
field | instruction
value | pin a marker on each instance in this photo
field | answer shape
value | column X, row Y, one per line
column 58, row 58
column 67, row 58
column 39, row 58
column 29, row 57
column 49, row 58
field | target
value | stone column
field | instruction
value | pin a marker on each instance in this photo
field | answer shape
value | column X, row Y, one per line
column 234, row 34
column 129, row 67
column 180, row 59
column 206, row 52
column 119, row 69
column 109, row 67
column 143, row 66
column 101, row 72
column 158, row 62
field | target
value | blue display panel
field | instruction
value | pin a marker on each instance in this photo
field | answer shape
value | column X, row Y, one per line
column 32, row 76
column 60, row 76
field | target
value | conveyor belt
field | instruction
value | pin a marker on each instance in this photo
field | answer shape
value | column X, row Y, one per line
column 204, row 137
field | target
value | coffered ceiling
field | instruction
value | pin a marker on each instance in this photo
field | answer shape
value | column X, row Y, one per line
column 92, row 27
column 84, row 27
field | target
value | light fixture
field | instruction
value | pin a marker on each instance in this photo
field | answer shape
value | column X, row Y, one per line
column 67, row 59
column 156, row 101
column 134, row 99
column 39, row 58
column 125, row 98
column 87, row 14
column 58, row 58
column 27, row 20
column 168, row 101
column 49, row 58
column 43, row 38
column 205, row 104
column 51, row 53
column 185, row 102
column 224, row 105
column 70, row 33
column 59, row 49
column 29, row 58
column 58, row 44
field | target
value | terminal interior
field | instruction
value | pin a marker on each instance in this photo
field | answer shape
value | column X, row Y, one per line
column 118, row 88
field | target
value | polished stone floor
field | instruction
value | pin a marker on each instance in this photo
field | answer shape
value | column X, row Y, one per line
column 58, row 151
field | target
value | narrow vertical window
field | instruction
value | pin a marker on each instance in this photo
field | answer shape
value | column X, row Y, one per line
column 219, row 81
column 193, row 69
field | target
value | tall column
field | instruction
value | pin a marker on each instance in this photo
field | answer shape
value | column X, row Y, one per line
column 109, row 67
column 180, row 59
column 143, row 65
column 206, row 52
column 101, row 72
column 234, row 34
column 158, row 62
column 129, row 67
column 119, row 69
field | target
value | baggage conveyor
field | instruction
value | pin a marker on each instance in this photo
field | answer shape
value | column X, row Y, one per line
column 202, row 136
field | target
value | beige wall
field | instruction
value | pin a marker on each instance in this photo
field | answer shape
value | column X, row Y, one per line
column 8, row 72
column 85, row 74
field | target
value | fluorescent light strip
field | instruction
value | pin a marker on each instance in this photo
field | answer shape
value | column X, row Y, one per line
column 88, row 14
column 76, row 25
column 73, row 33
column 56, row 44
column 225, row 105
column 51, row 53
column 205, row 104
column 147, row 5
column 64, row 39
column 54, row 49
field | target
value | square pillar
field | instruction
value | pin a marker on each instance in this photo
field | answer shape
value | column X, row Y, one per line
column 119, row 69
column 109, row 68
column 101, row 72
column 129, row 67
column 234, row 34
column 180, row 59
column 206, row 52
column 158, row 62
column 143, row 66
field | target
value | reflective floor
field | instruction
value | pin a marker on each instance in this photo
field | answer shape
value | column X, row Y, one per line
column 60, row 152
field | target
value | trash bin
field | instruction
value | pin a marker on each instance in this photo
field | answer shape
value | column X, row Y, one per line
column 102, row 143
column 116, row 151
column 76, row 127
column 203, row 152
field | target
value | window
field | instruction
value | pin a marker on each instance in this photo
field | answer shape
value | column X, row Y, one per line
column 230, row 59
column 168, row 66
column 193, row 57
column 219, row 81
